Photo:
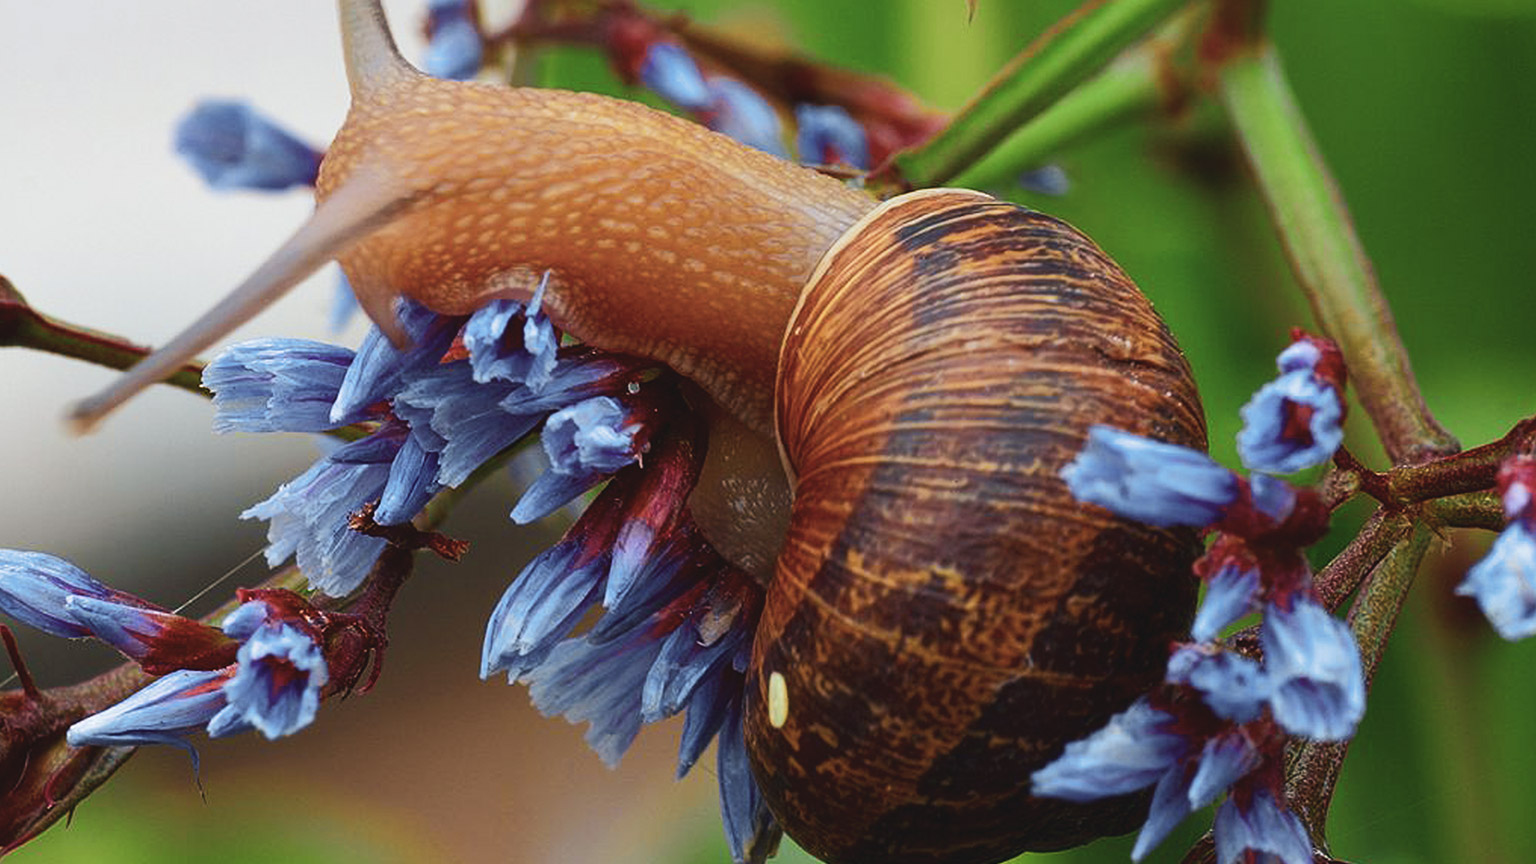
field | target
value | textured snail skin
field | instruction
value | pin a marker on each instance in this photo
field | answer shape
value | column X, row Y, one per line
column 945, row 617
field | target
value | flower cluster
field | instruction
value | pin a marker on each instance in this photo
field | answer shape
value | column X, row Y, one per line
column 1218, row 722
column 454, row 48
column 264, row 670
column 825, row 134
column 675, row 618
column 1504, row 582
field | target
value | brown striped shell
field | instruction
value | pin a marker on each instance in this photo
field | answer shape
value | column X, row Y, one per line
column 944, row 617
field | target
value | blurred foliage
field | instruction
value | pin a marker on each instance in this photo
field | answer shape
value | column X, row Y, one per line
column 1422, row 110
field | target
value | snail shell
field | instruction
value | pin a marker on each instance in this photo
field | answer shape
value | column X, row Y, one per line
column 943, row 616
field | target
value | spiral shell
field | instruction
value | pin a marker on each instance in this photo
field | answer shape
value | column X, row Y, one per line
column 944, row 617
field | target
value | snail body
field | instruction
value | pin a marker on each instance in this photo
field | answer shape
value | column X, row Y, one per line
column 942, row 617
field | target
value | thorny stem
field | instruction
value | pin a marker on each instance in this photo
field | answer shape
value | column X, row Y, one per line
column 1314, row 769
column 1318, row 235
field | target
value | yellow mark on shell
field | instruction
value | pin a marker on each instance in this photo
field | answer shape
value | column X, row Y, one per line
column 778, row 701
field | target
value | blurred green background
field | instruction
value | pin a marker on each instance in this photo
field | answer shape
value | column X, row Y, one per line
column 1423, row 108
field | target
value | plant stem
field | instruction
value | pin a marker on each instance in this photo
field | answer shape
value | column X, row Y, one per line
column 1313, row 772
column 1325, row 253
column 1137, row 85
column 22, row 326
column 1060, row 59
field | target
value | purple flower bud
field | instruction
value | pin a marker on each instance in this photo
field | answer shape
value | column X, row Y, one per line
column 1232, row 685
column 738, row 111
column 1135, row 749
column 159, row 641
column 35, row 588
column 1294, row 421
column 234, row 147
column 1504, row 582
column 828, row 135
column 671, row 74
column 164, row 712
column 454, row 51
column 1232, row 593
column 1260, row 826
column 1150, row 481
column 277, row 686
column 276, row 385
column 1318, row 689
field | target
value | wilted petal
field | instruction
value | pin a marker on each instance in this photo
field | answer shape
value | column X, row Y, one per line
column 1270, row 833
column 277, row 686
column 598, row 684
column 1314, row 669
column 1232, row 685
column 1504, row 582
column 1150, row 481
column 1132, row 751
column 234, row 147
column 1232, row 593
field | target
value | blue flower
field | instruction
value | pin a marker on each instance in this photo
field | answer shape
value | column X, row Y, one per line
column 159, row 641
column 585, row 443
column 1313, row 663
column 1045, row 180
column 35, row 589
column 165, row 712
column 495, row 357
column 277, row 686
column 544, row 603
column 1295, row 421
column 738, row 111
column 828, row 135
column 454, row 51
column 1150, row 481
column 1232, row 593
column 234, row 147
column 308, row 516
column 670, row 73
column 380, row 369
column 751, row 832
column 1273, row 497
column 1261, row 830
column 276, row 385
column 1133, row 750
column 1504, row 582
column 1233, row 686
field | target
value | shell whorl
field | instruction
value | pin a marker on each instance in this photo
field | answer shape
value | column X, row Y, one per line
column 944, row 616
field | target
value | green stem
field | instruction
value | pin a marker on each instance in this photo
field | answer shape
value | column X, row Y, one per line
column 1134, row 87
column 22, row 326
column 1063, row 57
column 1326, row 255
column 1314, row 771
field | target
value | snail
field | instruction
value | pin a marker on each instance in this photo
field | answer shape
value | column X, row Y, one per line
column 891, row 390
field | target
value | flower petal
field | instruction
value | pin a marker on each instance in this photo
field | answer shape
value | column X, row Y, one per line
column 1132, row 751
column 1504, row 582
column 1272, row 834
column 1150, row 481
column 1313, row 664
